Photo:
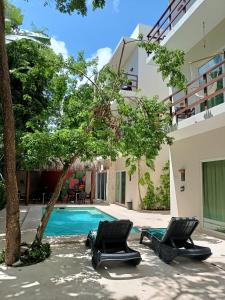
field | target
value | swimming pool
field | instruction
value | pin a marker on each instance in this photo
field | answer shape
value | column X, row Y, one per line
column 76, row 221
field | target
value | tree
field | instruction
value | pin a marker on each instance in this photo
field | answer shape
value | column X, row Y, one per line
column 13, row 17
column 88, row 128
column 35, row 71
column 13, row 235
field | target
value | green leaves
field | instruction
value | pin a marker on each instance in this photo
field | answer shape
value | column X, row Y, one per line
column 169, row 62
column 69, row 6
column 143, row 123
column 69, row 110
column 13, row 15
column 157, row 197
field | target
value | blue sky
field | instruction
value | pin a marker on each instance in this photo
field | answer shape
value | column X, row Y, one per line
column 99, row 32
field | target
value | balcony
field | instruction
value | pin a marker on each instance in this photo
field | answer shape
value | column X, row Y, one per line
column 170, row 17
column 131, row 84
column 187, row 22
column 203, row 100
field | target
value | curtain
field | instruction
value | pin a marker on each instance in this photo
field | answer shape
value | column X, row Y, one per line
column 214, row 190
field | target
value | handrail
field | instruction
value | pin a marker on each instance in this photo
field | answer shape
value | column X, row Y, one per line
column 187, row 110
column 160, row 19
column 196, row 79
column 156, row 29
column 171, row 21
column 216, row 93
column 134, row 80
column 199, row 89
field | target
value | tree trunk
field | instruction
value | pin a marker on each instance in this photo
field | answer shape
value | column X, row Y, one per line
column 13, row 235
column 139, row 188
column 50, row 205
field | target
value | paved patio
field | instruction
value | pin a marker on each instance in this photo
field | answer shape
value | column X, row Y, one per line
column 68, row 273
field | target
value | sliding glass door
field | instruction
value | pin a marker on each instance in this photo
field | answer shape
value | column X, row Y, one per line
column 120, row 187
column 101, row 185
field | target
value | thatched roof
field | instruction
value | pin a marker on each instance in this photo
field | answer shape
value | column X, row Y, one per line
column 78, row 165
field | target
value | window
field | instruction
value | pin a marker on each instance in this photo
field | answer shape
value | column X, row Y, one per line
column 214, row 87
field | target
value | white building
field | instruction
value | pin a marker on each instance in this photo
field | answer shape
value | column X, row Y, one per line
column 113, row 183
column 197, row 156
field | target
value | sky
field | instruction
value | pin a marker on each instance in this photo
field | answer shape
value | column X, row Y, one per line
column 98, row 33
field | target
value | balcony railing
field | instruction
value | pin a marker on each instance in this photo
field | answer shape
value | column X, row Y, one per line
column 132, row 82
column 175, row 10
column 202, row 93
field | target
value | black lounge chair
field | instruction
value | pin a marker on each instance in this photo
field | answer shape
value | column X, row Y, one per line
column 109, row 243
column 175, row 240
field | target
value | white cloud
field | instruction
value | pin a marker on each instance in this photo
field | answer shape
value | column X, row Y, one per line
column 116, row 4
column 103, row 55
column 59, row 47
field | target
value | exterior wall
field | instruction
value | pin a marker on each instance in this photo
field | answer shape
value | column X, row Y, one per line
column 214, row 42
column 150, row 84
column 131, row 64
column 88, row 182
column 132, row 191
column 131, row 184
column 149, row 79
column 141, row 28
column 111, row 183
column 177, row 10
column 188, row 154
column 211, row 44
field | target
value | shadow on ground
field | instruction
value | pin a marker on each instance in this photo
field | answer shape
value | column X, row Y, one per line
column 68, row 274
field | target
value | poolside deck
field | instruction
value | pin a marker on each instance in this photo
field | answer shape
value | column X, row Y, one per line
column 68, row 273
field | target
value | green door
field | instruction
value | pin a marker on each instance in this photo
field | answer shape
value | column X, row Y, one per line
column 214, row 194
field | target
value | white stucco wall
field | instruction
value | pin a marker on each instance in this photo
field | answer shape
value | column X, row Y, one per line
column 132, row 192
column 88, row 182
column 200, row 54
column 150, row 84
column 150, row 80
column 189, row 154
column 131, row 64
column 141, row 29
column 214, row 42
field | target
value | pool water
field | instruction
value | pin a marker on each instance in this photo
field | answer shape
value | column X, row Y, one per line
column 76, row 221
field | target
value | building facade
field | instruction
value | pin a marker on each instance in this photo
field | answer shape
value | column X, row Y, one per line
column 197, row 156
column 113, row 183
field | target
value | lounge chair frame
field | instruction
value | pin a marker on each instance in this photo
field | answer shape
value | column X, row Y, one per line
column 172, row 244
column 106, row 249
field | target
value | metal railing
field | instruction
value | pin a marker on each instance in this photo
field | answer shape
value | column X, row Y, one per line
column 184, row 103
column 132, row 82
column 168, row 19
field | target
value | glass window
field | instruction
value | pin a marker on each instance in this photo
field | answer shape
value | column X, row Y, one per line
column 214, row 87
